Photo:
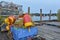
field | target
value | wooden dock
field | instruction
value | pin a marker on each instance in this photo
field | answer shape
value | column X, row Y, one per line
column 3, row 36
column 49, row 32
column 46, row 31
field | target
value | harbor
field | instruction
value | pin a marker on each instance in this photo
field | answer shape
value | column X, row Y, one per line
column 47, row 25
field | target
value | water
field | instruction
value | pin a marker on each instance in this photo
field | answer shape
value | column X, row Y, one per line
column 37, row 18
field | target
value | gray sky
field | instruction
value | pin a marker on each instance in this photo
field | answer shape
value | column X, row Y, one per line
column 35, row 5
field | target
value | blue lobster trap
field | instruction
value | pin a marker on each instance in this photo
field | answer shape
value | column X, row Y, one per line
column 23, row 34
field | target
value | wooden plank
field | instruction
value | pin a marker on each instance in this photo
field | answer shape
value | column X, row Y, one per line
column 49, row 32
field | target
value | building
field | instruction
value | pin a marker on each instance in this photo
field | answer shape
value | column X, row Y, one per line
column 10, row 8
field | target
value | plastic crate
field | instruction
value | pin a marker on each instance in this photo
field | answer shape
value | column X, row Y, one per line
column 21, row 38
column 21, row 33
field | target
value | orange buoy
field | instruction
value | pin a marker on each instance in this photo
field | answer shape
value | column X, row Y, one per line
column 12, row 19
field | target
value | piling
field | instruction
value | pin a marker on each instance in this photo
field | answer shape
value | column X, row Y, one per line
column 50, row 15
column 28, row 10
column 40, row 15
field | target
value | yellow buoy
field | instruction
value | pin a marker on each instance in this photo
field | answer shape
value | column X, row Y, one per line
column 7, row 21
column 7, row 28
column 28, row 24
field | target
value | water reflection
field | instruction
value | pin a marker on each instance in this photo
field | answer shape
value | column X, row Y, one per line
column 37, row 18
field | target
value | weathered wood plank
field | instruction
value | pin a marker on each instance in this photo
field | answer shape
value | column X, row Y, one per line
column 49, row 32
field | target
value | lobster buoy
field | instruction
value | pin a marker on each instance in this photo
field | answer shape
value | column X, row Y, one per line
column 7, row 21
column 27, row 21
column 12, row 19
column 8, row 27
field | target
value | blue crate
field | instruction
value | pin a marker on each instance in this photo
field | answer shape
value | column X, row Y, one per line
column 21, row 33
column 21, row 38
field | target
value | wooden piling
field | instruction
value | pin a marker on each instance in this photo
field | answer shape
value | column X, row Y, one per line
column 50, row 15
column 0, row 12
column 28, row 10
column 40, row 14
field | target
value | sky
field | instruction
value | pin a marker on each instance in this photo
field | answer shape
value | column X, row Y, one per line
column 36, row 5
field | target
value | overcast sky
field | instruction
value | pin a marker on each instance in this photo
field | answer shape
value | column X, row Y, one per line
column 35, row 5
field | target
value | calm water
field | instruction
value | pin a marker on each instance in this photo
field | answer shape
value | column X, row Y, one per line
column 37, row 18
